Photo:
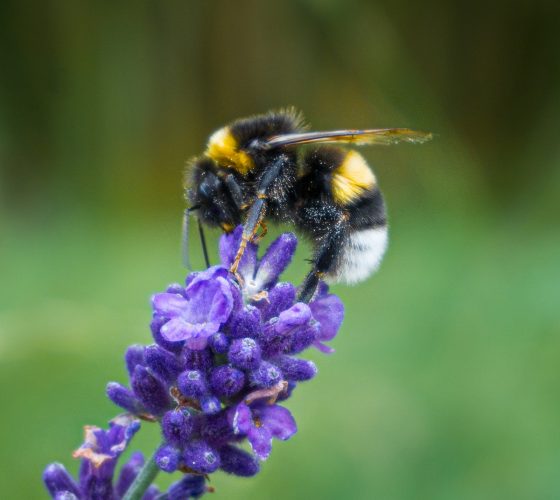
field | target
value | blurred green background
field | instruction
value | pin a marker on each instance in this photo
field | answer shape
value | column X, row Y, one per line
column 444, row 384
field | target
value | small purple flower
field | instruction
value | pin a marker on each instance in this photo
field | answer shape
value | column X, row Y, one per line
column 197, row 316
column 261, row 423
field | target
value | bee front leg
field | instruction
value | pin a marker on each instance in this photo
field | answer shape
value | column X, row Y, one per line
column 264, row 230
column 257, row 211
column 254, row 218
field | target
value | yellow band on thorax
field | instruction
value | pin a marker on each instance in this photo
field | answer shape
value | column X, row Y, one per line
column 224, row 150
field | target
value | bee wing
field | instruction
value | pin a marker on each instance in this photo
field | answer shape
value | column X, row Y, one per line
column 382, row 136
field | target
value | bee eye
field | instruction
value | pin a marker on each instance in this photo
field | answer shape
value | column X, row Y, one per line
column 205, row 191
column 209, row 186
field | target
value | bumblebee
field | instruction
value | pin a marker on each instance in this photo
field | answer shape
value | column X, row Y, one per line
column 254, row 170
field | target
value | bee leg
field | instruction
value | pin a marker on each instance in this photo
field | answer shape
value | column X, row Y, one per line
column 326, row 257
column 234, row 191
column 257, row 211
column 254, row 218
column 264, row 231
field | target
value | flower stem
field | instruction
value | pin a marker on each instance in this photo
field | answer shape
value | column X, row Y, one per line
column 143, row 480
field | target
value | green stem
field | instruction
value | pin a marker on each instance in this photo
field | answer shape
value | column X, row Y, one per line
column 143, row 480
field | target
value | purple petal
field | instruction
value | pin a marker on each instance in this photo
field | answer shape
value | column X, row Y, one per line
column 57, row 479
column 276, row 258
column 192, row 384
column 201, row 457
column 216, row 429
column 175, row 288
column 175, row 330
column 241, row 419
column 324, row 348
column 303, row 337
column 122, row 396
column 207, row 275
column 229, row 244
column 209, row 300
column 245, row 353
column 226, row 381
column 189, row 486
column 280, row 298
column 167, row 458
column 298, row 315
column 134, row 356
column 296, row 369
column 150, row 391
column 238, row 462
column 163, row 363
column 197, row 359
column 177, row 427
column 245, row 323
column 261, row 441
column 168, row 304
column 219, row 343
column 129, row 472
column 155, row 326
column 199, row 340
column 329, row 312
column 151, row 493
column 266, row 375
column 65, row 495
column 210, row 405
column 278, row 420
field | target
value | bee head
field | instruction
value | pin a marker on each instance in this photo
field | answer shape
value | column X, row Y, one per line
column 209, row 192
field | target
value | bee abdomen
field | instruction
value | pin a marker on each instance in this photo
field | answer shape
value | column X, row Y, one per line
column 360, row 256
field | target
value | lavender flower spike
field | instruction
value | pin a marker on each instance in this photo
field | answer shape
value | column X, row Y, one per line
column 225, row 358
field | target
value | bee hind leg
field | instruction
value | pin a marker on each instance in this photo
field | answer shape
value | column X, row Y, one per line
column 325, row 261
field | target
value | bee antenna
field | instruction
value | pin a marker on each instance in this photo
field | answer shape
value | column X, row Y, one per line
column 203, row 242
column 185, row 239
